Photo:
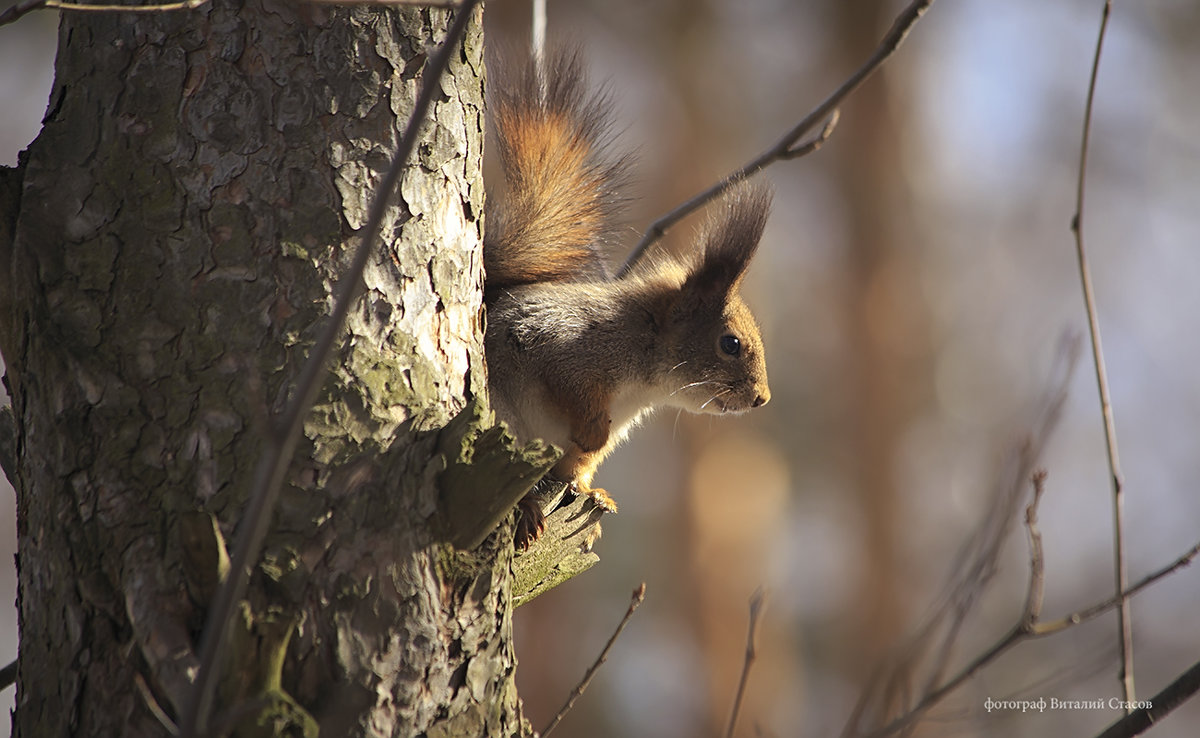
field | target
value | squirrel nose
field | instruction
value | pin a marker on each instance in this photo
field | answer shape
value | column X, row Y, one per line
column 763, row 399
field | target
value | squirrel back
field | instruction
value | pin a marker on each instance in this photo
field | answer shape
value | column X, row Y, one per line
column 561, row 197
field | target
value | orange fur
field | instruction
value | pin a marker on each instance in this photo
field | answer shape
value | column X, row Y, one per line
column 560, row 202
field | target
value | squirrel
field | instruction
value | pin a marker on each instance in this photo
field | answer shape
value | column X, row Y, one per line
column 578, row 358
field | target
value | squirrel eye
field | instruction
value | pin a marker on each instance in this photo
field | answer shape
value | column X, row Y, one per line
column 730, row 344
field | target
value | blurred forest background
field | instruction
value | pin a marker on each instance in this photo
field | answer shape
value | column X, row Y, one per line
column 915, row 284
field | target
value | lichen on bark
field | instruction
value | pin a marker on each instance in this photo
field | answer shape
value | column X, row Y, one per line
column 184, row 215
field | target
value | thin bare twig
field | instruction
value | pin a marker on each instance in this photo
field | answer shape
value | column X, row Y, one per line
column 152, row 705
column 113, row 8
column 281, row 443
column 1037, row 568
column 8, row 675
column 13, row 12
column 757, row 602
column 639, row 594
column 1120, row 569
column 787, row 146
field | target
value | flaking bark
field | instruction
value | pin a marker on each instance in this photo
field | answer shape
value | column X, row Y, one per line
column 183, row 216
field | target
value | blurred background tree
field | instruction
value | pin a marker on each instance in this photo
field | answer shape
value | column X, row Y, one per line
column 915, row 281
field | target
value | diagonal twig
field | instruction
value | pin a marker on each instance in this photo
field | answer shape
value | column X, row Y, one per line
column 1173, row 695
column 152, row 705
column 1120, row 568
column 639, row 594
column 757, row 603
column 281, row 443
column 13, row 12
column 788, row 147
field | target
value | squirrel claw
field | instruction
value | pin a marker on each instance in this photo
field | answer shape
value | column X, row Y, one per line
column 530, row 523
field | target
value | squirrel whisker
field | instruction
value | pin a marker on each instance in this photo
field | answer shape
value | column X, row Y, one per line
column 719, row 394
column 695, row 384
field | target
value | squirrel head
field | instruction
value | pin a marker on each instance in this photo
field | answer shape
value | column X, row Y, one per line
column 714, row 346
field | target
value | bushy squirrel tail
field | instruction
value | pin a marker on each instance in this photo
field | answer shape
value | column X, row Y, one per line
column 561, row 182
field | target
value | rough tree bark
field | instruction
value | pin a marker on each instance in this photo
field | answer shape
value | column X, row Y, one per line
column 169, row 246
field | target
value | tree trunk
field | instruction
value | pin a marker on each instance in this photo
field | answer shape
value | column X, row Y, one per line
column 886, row 327
column 170, row 244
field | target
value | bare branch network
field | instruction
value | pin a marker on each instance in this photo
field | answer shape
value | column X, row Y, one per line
column 1029, row 626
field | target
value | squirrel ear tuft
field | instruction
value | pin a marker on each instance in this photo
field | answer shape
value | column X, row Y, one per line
column 729, row 239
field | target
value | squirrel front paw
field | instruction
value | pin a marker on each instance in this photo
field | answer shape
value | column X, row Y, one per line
column 599, row 496
column 589, row 541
